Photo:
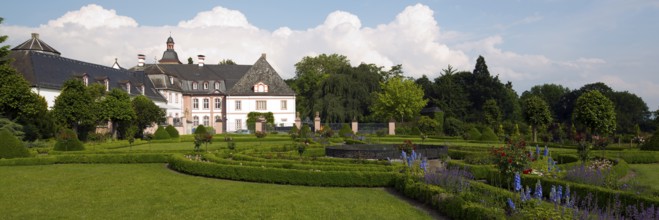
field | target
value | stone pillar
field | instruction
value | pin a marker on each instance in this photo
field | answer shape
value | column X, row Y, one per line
column 259, row 125
column 298, row 121
column 354, row 126
column 392, row 127
column 316, row 122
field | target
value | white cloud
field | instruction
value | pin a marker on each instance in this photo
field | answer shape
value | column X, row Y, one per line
column 93, row 16
column 218, row 17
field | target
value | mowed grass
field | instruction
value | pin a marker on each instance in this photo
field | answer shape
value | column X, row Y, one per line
column 150, row 191
column 647, row 175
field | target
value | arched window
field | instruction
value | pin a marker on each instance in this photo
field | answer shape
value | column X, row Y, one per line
column 217, row 85
column 218, row 103
column 85, row 80
column 206, row 120
column 260, row 87
column 195, row 103
column 205, row 85
column 206, row 103
column 217, row 118
column 195, row 121
column 194, row 85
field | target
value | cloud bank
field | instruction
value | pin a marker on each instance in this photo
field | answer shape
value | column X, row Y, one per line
column 412, row 38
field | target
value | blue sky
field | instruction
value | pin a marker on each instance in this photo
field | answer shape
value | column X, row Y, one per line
column 527, row 42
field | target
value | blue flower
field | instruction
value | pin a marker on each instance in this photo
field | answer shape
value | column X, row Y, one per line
column 559, row 193
column 538, row 190
column 518, row 182
column 424, row 165
column 546, row 151
column 511, row 204
column 413, row 155
column 552, row 194
column 537, row 151
column 403, row 155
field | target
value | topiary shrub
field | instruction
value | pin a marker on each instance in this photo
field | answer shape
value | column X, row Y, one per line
column 305, row 132
column 173, row 133
column 67, row 140
column 453, row 127
column 472, row 134
column 652, row 143
column 345, row 131
column 161, row 134
column 11, row 146
column 488, row 135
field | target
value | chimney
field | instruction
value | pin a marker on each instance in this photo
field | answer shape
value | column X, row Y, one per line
column 263, row 55
column 200, row 60
column 140, row 59
column 35, row 35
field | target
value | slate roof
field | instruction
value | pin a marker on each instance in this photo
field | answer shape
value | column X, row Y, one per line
column 35, row 44
column 261, row 71
column 46, row 70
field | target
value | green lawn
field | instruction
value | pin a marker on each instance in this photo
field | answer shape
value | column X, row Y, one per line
column 150, row 191
column 647, row 175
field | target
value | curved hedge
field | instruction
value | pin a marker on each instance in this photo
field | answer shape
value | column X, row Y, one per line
column 87, row 158
column 296, row 165
column 282, row 176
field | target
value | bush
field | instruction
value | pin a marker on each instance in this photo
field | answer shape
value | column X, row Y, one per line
column 652, row 143
column 11, row 146
column 345, row 131
column 67, row 140
column 488, row 135
column 161, row 134
column 428, row 125
column 173, row 133
column 260, row 134
column 472, row 134
column 201, row 129
column 305, row 132
column 453, row 127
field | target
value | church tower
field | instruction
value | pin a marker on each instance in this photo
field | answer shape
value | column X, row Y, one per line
column 170, row 56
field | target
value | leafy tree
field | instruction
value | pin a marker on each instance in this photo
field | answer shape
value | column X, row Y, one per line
column 305, row 131
column 428, row 89
column 596, row 112
column 14, row 128
column 453, row 126
column 116, row 107
column 399, row 98
column 11, row 146
column 310, row 72
column 345, row 131
column 226, row 62
column 536, row 113
column 74, row 106
column 253, row 116
column 4, row 50
column 190, row 60
column 550, row 93
column 652, row 143
column 450, row 94
column 491, row 113
column 130, row 135
column 630, row 110
column 427, row 125
column 18, row 103
column 201, row 135
column 147, row 113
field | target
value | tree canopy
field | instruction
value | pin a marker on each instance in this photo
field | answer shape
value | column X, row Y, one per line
column 595, row 111
column 146, row 112
column 400, row 98
column 536, row 113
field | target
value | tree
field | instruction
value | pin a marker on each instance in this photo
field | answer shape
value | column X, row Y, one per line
column 428, row 125
column 631, row 111
column 596, row 112
column 116, row 107
column 74, row 106
column 18, row 103
column 146, row 112
column 190, row 60
column 4, row 50
column 400, row 98
column 451, row 95
column 551, row 93
column 310, row 72
column 226, row 62
column 491, row 113
column 536, row 113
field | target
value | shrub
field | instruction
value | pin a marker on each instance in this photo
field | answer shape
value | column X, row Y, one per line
column 652, row 143
column 488, row 135
column 173, row 133
column 260, row 134
column 200, row 130
column 11, row 146
column 294, row 132
column 161, row 134
column 453, row 127
column 428, row 125
column 305, row 132
column 67, row 140
column 472, row 134
column 345, row 131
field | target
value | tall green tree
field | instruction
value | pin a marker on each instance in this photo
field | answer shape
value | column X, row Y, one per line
column 595, row 111
column 400, row 98
column 146, row 112
column 491, row 113
column 74, row 106
column 310, row 72
column 4, row 50
column 116, row 107
column 551, row 93
column 536, row 113
column 631, row 111
column 451, row 95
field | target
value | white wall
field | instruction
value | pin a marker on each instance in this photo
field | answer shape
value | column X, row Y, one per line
column 49, row 94
column 248, row 104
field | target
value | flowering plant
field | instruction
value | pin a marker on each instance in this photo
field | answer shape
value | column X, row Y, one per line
column 511, row 159
column 407, row 146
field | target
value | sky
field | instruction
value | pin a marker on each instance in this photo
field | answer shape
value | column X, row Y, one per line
column 566, row 42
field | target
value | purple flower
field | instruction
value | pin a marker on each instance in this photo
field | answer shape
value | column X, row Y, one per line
column 414, row 155
column 537, row 151
column 546, row 151
column 538, row 190
column 511, row 204
column 559, row 193
column 403, row 155
column 517, row 182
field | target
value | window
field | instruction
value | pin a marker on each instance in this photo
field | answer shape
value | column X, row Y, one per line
column 206, row 120
column 237, row 105
column 205, row 85
column 194, row 85
column 206, row 104
column 85, row 80
column 195, row 120
column 260, row 87
column 195, row 104
column 283, row 105
column 217, row 85
column 218, row 103
column 239, row 124
column 128, row 87
column 284, row 119
column 142, row 89
column 170, row 97
column 217, row 118
column 261, row 105
column 107, row 85
column 171, row 80
column 176, row 98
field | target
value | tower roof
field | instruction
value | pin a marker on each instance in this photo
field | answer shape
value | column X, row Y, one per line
column 170, row 39
column 35, row 44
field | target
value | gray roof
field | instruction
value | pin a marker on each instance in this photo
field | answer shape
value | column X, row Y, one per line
column 46, row 70
column 261, row 71
column 35, row 44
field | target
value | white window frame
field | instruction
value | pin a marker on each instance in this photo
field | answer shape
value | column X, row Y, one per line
column 239, row 124
column 195, row 103
column 206, row 120
column 194, row 85
column 195, row 120
column 262, row 105
column 218, row 103
column 217, row 85
column 238, row 107
column 205, row 85
column 284, row 105
column 206, row 103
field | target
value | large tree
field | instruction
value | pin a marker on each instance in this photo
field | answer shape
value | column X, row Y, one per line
column 75, row 106
column 147, row 113
column 536, row 113
column 595, row 111
column 116, row 108
column 451, row 95
column 400, row 98
column 491, row 113
column 551, row 93
column 631, row 111
column 310, row 72
column 4, row 50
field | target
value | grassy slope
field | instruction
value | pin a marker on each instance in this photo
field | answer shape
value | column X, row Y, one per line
column 149, row 191
column 646, row 175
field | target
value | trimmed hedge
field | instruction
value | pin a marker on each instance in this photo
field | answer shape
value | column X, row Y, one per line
column 11, row 147
column 161, row 134
column 67, row 140
column 282, row 176
column 87, row 158
column 488, row 135
column 299, row 166
column 171, row 130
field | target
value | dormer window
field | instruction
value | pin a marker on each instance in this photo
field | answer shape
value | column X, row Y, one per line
column 171, row 80
column 205, row 85
column 217, row 85
column 85, row 80
column 107, row 84
column 128, row 87
column 260, row 87
column 142, row 89
column 194, row 85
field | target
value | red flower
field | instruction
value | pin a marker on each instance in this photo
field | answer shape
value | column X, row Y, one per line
column 510, row 161
column 503, row 154
column 527, row 171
